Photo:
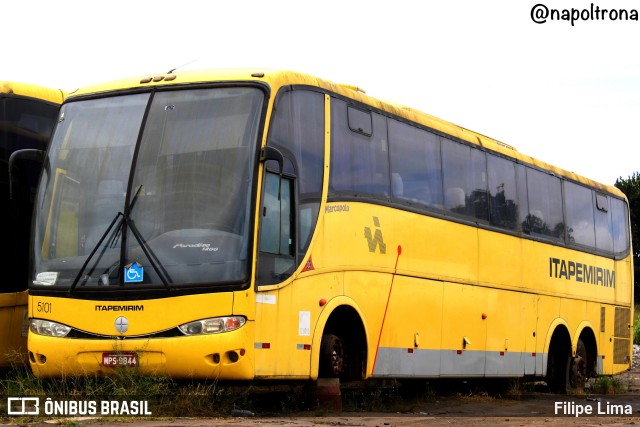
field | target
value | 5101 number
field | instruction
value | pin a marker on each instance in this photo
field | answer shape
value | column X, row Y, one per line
column 44, row 307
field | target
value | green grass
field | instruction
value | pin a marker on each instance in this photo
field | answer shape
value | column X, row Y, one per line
column 165, row 396
column 608, row 385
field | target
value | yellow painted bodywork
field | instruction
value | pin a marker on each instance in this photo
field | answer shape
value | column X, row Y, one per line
column 436, row 284
column 27, row 90
column 182, row 357
column 449, row 275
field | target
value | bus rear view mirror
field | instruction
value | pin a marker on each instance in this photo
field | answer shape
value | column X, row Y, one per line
column 24, row 154
column 271, row 153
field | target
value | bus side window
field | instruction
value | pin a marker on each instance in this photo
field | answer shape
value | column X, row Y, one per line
column 604, row 231
column 578, row 203
column 276, row 260
column 545, row 205
column 620, row 226
column 359, row 154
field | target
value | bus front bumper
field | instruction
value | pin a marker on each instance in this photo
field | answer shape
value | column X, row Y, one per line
column 224, row 356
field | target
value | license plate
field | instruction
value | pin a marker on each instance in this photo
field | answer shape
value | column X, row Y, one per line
column 119, row 359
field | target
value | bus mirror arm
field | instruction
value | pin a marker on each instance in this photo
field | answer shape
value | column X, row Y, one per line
column 271, row 153
column 25, row 154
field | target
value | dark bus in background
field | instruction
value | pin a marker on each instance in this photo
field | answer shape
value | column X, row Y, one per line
column 27, row 115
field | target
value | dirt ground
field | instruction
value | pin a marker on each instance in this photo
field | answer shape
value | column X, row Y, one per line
column 528, row 409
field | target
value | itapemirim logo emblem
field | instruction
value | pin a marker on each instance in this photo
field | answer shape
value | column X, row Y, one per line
column 374, row 239
column 122, row 324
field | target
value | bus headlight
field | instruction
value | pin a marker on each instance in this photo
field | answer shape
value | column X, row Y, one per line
column 48, row 328
column 214, row 325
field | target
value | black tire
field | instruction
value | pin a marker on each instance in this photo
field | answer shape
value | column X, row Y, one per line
column 331, row 356
column 558, row 366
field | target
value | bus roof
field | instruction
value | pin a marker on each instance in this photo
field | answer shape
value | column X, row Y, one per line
column 29, row 90
column 278, row 78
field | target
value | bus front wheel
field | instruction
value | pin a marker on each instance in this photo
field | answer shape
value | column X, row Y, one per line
column 331, row 356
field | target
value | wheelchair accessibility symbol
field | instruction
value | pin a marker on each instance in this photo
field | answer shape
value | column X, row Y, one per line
column 133, row 273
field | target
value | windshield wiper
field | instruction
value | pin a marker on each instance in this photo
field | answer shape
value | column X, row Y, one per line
column 94, row 250
column 151, row 256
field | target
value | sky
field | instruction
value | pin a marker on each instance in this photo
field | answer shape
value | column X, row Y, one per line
column 566, row 92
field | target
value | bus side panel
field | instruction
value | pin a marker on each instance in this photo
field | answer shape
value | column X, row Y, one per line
column 267, row 304
column 511, row 314
column 623, row 316
column 286, row 322
column 511, row 333
column 499, row 259
column 370, row 291
column 409, row 343
column 593, row 322
column 573, row 312
column 624, row 282
column 568, row 273
column 376, row 238
column 605, row 345
column 277, row 354
column 464, row 331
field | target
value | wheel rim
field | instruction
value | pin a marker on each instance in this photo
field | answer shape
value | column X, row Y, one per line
column 337, row 357
column 578, row 367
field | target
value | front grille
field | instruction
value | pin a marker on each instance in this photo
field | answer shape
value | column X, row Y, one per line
column 169, row 333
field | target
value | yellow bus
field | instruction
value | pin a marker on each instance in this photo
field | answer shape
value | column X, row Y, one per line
column 238, row 225
column 27, row 115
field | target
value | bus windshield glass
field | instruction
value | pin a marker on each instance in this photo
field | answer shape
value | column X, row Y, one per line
column 149, row 190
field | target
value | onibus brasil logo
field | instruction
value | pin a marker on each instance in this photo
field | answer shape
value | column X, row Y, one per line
column 49, row 406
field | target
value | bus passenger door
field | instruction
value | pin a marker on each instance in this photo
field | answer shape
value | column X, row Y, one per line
column 275, row 327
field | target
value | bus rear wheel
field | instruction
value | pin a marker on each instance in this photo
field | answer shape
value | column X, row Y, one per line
column 577, row 368
column 331, row 356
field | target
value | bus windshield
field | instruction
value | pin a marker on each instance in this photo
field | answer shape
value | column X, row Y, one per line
column 149, row 190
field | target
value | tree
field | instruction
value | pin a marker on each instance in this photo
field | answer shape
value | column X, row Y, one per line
column 631, row 188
